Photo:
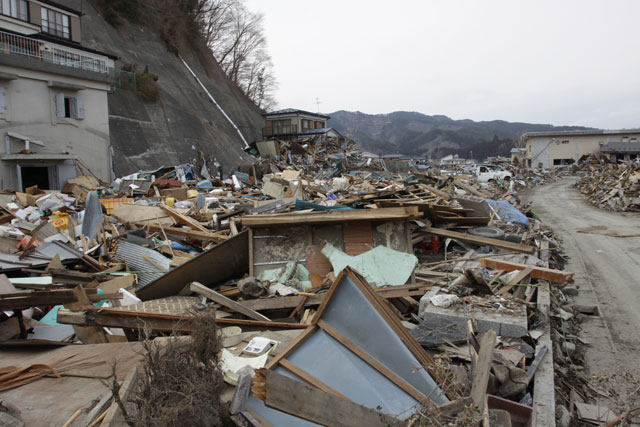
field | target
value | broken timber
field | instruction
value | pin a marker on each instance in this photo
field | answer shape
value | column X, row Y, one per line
column 556, row 276
column 382, row 214
column 482, row 241
column 116, row 318
column 312, row 404
column 183, row 232
column 227, row 302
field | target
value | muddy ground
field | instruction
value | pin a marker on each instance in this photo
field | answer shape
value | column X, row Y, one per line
column 605, row 369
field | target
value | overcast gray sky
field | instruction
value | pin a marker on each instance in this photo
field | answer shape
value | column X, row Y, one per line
column 558, row 62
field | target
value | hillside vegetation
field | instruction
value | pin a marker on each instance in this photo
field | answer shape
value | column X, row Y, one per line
column 417, row 134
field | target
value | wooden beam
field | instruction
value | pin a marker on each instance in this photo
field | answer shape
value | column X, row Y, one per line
column 292, row 301
column 482, row 369
column 116, row 318
column 183, row 232
column 227, row 302
column 310, row 379
column 312, row 404
column 382, row 214
column 556, row 276
column 189, row 222
column 50, row 298
column 482, row 241
column 516, row 280
column 412, row 289
column 374, row 363
column 86, row 334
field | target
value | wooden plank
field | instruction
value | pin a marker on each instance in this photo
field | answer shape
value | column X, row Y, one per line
column 300, row 339
column 483, row 241
column 87, row 334
column 229, row 303
column 57, row 297
column 524, row 273
column 382, row 214
column 556, row 276
column 412, row 289
column 183, row 232
column 482, row 369
column 292, row 301
column 189, row 222
column 374, row 363
column 310, row 379
column 116, row 318
column 315, row 405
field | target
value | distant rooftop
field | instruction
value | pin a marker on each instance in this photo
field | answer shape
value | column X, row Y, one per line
column 581, row 133
column 621, row 147
column 317, row 131
column 294, row 111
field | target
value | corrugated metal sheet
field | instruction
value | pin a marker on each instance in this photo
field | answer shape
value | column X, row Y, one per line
column 132, row 256
column 40, row 257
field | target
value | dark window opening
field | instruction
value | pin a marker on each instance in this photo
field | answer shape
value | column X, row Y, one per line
column 35, row 175
column 562, row 162
column 67, row 107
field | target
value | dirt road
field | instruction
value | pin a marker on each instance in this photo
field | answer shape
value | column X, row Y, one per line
column 607, row 271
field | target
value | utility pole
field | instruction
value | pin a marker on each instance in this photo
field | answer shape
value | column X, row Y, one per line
column 318, row 105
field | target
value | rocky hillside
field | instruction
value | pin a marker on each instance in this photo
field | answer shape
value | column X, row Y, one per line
column 169, row 121
column 417, row 134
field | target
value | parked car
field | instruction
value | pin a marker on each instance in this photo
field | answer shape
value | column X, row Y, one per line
column 487, row 173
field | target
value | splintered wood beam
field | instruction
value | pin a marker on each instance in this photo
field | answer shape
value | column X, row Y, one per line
column 382, row 214
column 556, row 276
column 312, row 404
column 482, row 369
column 49, row 298
column 227, row 302
column 116, row 318
column 482, row 241
column 183, row 232
column 189, row 222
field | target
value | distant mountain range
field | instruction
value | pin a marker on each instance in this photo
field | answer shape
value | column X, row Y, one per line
column 416, row 134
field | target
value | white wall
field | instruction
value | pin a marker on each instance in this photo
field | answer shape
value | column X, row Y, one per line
column 30, row 111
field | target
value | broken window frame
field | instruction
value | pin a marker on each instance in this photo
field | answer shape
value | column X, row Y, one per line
column 324, row 329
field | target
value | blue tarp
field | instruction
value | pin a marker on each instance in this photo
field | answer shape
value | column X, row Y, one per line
column 508, row 212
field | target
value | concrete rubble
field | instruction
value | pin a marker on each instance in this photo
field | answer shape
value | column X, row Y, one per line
column 426, row 285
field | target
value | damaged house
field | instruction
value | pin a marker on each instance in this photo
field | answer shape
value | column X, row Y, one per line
column 53, row 97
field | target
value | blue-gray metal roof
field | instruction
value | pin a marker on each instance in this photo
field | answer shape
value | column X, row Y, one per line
column 294, row 111
column 317, row 131
column 621, row 147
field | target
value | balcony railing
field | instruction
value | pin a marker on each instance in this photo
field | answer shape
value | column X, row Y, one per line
column 14, row 44
column 281, row 129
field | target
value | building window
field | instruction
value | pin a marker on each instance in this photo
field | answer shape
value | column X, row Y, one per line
column 70, row 107
column 14, row 8
column 3, row 100
column 55, row 23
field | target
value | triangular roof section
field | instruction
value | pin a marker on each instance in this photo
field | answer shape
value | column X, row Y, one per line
column 358, row 350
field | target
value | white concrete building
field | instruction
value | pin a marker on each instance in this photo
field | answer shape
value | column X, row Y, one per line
column 552, row 149
column 53, row 97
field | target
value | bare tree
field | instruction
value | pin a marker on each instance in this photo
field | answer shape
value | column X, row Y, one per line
column 236, row 37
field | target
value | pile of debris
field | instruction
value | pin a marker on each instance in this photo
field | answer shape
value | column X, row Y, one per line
column 615, row 187
column 395, row 296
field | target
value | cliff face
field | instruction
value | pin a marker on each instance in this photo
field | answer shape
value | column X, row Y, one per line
column 183, row 124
